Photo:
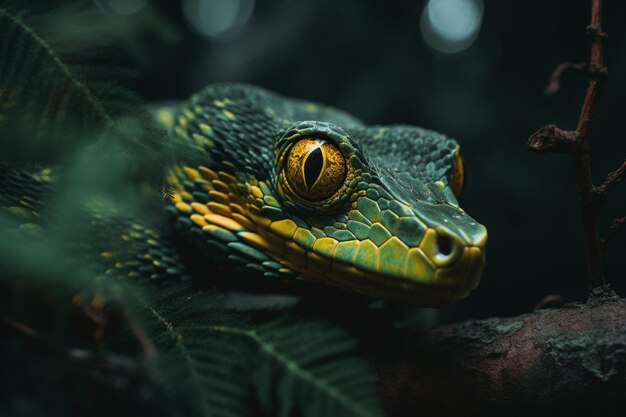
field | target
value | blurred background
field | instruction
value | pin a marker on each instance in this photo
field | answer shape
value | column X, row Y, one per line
column 473, row 69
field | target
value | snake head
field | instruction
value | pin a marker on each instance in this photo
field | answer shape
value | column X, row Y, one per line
column 382, row 215
column 371, row 210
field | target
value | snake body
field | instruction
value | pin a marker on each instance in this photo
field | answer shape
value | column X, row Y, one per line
column 282, row 190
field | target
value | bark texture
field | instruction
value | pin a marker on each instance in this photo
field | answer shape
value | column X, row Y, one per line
column 566, row 360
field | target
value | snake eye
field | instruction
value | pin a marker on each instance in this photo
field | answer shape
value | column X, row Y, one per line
column 315, row 169
column 458, row 176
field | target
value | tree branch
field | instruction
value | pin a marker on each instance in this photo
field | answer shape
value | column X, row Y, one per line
column 566, row 361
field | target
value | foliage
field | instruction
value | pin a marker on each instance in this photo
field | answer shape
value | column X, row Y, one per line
column 78, row 341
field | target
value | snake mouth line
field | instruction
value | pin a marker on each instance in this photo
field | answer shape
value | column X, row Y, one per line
column 449, row 284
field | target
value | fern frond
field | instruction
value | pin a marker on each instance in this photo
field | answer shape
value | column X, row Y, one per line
column 306, row 359
column 52, row 104
column 30, row 70
column 290, row 365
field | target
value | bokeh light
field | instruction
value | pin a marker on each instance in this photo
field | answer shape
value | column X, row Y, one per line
column 451, row 26
column 217, row 18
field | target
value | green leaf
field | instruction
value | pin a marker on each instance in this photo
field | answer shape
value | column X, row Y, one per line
column 30, row 71
column 286, row 366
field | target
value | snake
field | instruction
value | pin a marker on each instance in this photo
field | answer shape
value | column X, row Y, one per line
column 285, row 190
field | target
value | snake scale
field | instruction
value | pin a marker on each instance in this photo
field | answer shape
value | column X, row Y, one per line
column 289, row 190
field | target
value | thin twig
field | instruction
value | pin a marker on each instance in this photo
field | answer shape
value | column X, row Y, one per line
column 595, row 273
column 550, row 301
column 555, row 79
column 95, row 312
column 612, row 180
column 552, row 139
column 20, row 328
column 149, row 350
column 616, row 226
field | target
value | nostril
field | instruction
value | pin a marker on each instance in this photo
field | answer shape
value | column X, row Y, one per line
column 444, row 245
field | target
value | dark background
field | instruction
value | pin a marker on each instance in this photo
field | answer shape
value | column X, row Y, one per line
column 370, row 58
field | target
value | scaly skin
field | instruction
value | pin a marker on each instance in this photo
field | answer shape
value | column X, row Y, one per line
column 278, row 189
column 392, row 229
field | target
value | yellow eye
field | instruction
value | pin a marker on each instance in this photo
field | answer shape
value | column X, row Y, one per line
column 458, row 176
column 315, row 169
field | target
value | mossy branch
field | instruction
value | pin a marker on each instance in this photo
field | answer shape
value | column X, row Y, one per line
column 565, row 361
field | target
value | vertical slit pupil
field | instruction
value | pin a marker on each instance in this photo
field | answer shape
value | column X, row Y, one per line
column 313, row 167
